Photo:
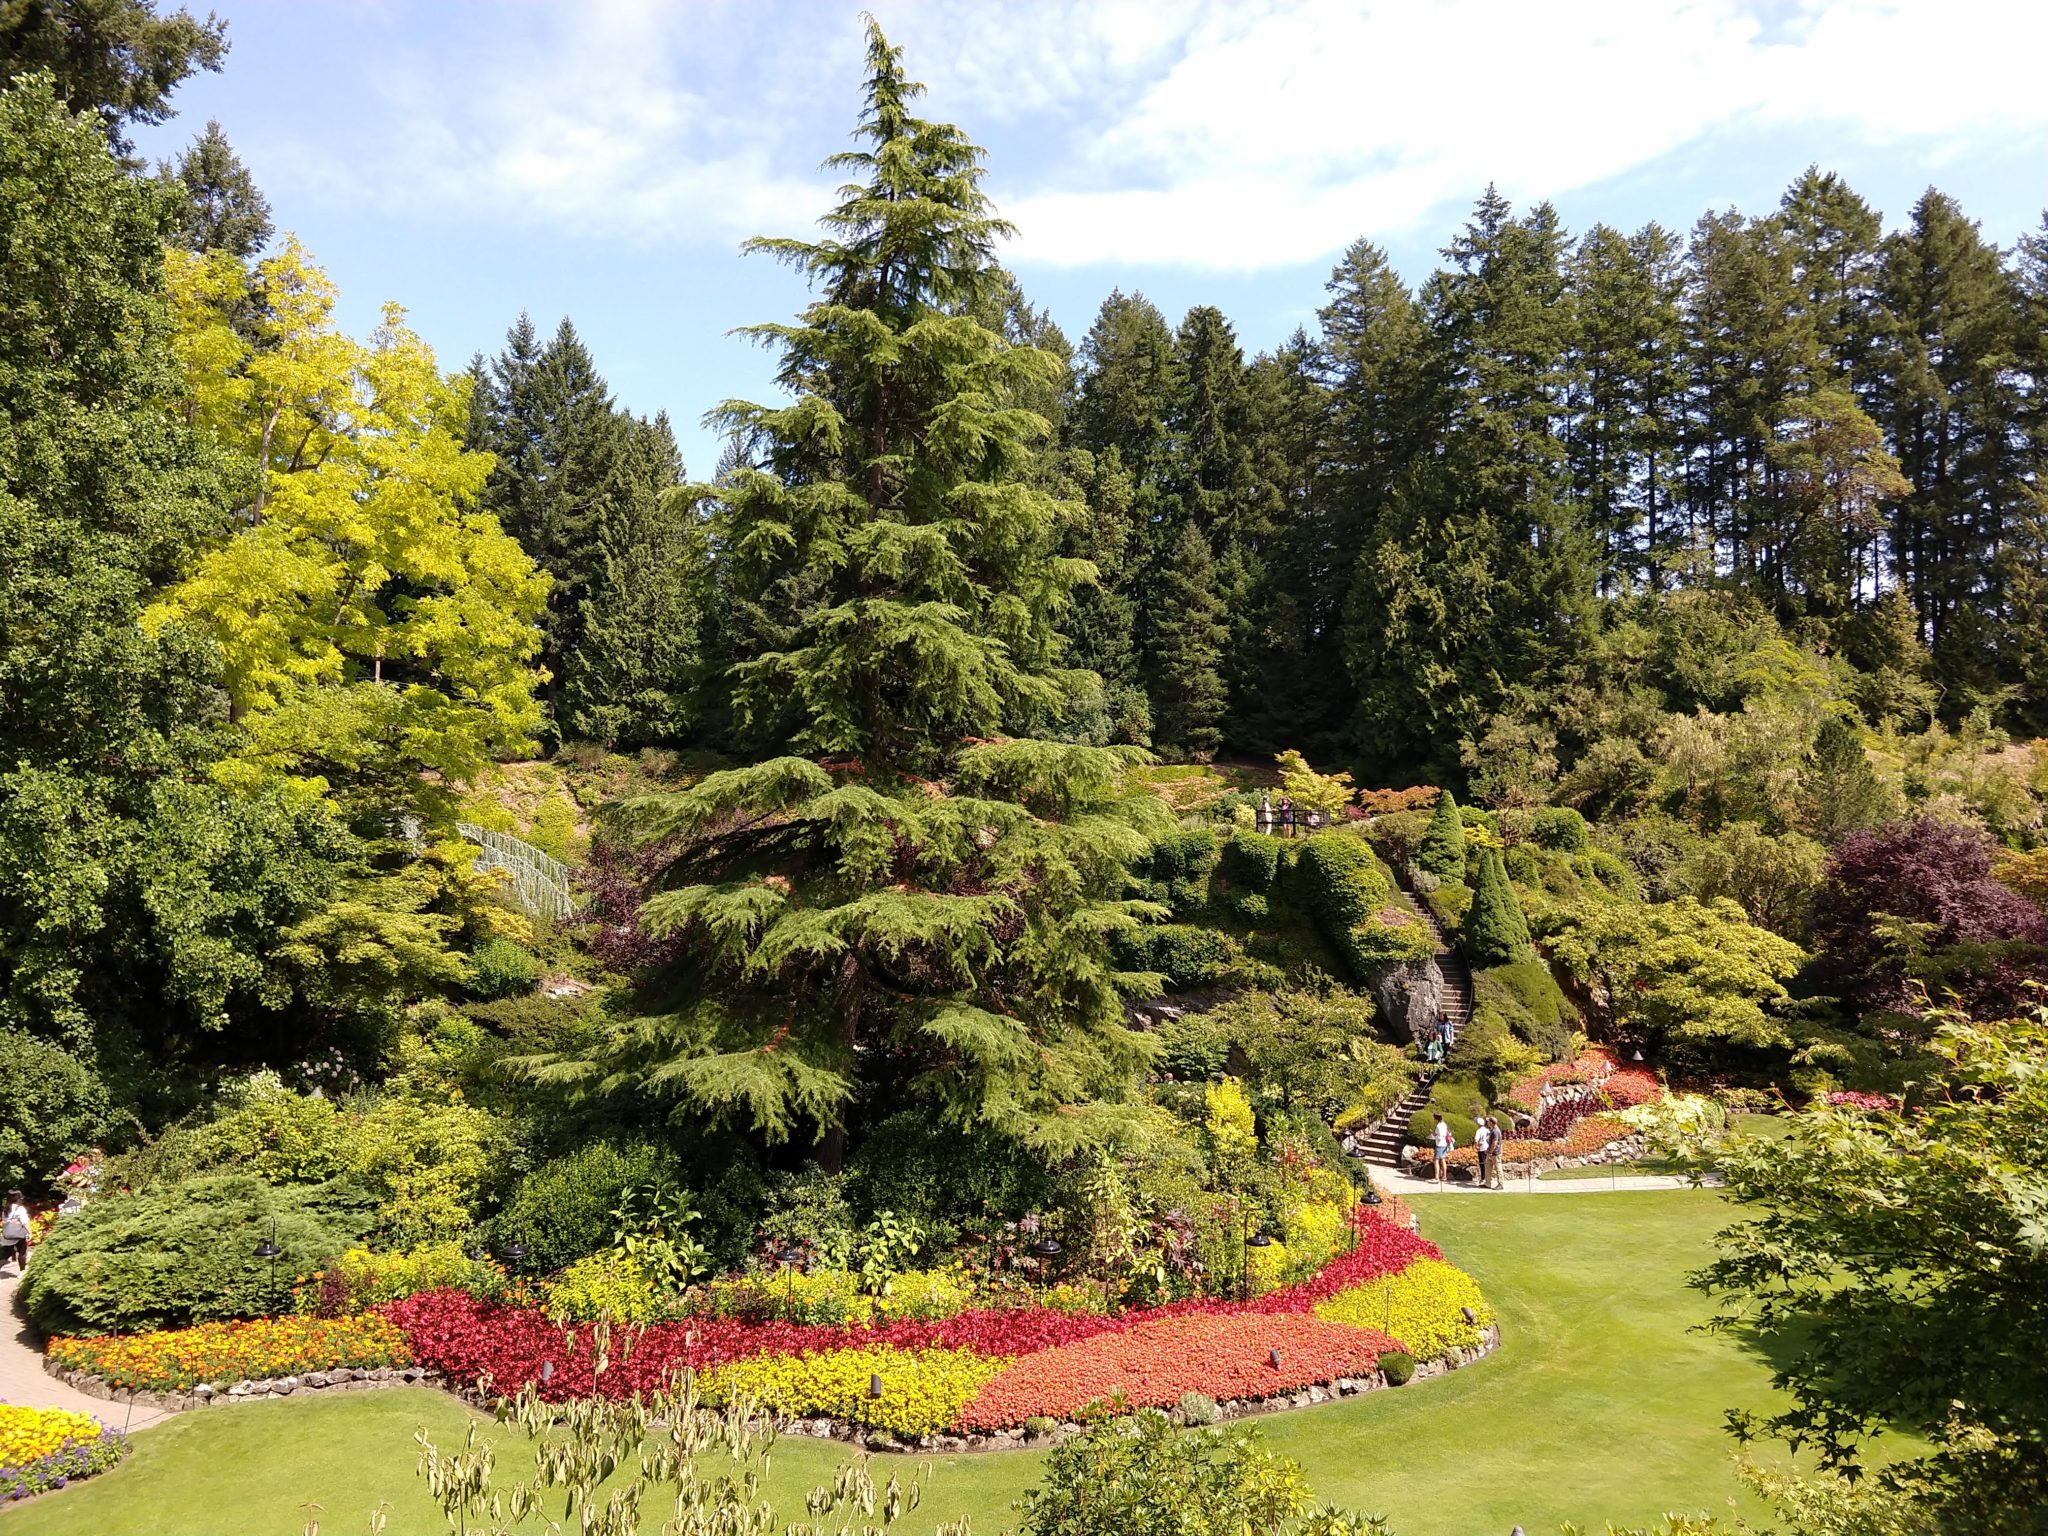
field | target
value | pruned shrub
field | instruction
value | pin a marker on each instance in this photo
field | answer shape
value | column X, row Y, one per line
column 1352, row 898
column 501, row 968
column 1185, row 955
column 187, row 1253
column 562, row 1211
column 1250, row 860
column 1442, row 852
column 1398, row 1366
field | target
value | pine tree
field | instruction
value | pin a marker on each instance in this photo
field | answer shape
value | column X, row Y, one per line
column 903, row 889
column 1495, row 932
column 1839, row 791
column 1187, row 655
column 1442, row 851
column 116, row 61
column 224, row 210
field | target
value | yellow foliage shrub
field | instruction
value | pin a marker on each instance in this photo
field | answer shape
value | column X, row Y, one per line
column 1420, row 1306
column 611, row 1285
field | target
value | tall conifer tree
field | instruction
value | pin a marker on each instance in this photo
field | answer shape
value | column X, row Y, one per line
column 902, row 889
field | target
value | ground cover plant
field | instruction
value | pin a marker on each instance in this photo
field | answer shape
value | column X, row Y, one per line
column 44, row 1449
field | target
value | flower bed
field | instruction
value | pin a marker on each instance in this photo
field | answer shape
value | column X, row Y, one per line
column 1153, row 1364
column 45, row 1448
column 937, row 1373
column 1421, row 1308
column 1845, row 1099
column 220, row 1353
column 1586, row 1136
column 1593, row 1065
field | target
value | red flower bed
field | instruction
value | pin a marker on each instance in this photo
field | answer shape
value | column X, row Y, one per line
column 1850, row 1100
column 1592, row 1065
column 467, row 1339
column 1625, row 1090
column 1152, row 1364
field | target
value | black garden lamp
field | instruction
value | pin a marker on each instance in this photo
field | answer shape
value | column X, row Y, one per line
column 512, row 1253
column 1047, row 1248
column 1256, row 1240
column 268, row 1249
column 1372, row 1194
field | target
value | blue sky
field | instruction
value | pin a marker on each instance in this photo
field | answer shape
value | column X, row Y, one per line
column 604, row 160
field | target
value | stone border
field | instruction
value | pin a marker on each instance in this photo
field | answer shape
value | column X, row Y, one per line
column 206, row 1395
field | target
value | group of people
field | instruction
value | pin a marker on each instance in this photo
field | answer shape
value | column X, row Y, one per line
column 1285, row 817
column 1490, row 1139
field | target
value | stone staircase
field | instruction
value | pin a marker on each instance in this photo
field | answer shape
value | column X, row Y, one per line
column 1457, row 997
column 1381, row 1146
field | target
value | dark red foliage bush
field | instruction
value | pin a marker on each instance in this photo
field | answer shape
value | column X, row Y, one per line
column 1978, row 939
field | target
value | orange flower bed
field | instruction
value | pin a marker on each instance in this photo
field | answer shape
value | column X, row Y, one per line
column 1152, row 1365
column 260, row 1350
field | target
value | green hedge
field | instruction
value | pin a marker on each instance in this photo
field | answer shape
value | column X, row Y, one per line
column 1251, row 860
column 186, row 1253
column 1185, row 955
column 1176, row 873
column 1351, row 897
column 1529, row 1004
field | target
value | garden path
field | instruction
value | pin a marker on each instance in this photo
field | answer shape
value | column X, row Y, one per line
column 24, row 1381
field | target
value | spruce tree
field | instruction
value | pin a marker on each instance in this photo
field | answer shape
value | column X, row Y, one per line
column 1186, row 617
column 902, row 888
column 224, row 209
column 1495, row 932
column 1442, row 851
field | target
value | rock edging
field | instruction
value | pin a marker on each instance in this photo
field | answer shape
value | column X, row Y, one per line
column 207, row 1395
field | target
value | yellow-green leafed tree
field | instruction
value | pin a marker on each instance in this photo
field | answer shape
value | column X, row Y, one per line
column 372, row 622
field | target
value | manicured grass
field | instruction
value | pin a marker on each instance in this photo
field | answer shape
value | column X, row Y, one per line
column 1600, row 1405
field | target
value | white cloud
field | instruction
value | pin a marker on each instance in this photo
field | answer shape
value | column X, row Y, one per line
column 1228, row 134
column 1279, row 133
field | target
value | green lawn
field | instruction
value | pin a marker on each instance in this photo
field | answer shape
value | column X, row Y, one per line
column 1600, row 1405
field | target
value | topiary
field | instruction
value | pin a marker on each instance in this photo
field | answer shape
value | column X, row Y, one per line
column 501, row 968
column 1443, row 844
column 186, row 1253
column 1528, row 1003
column 1398, row 1366
column 1495, row 932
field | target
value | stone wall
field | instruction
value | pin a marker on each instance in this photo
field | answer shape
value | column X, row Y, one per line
column 312, row 1383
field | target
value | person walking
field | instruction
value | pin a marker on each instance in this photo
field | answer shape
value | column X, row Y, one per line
column 1482, row 1143
column 14, row 1233
column 1442, row 1140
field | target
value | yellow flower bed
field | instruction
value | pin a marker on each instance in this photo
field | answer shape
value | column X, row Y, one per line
column 923, row 1390
column 1420, row 1306
column 28, row 1434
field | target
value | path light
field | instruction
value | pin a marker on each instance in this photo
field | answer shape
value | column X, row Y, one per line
column 268, row 1249
column 513, row 1252
column 1260, row 1240
column 1047, row 1248
column 1274, row 1356
column 1372, row 1195
column 874, row 1386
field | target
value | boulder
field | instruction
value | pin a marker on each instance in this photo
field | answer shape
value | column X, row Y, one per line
column 1411, row 994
